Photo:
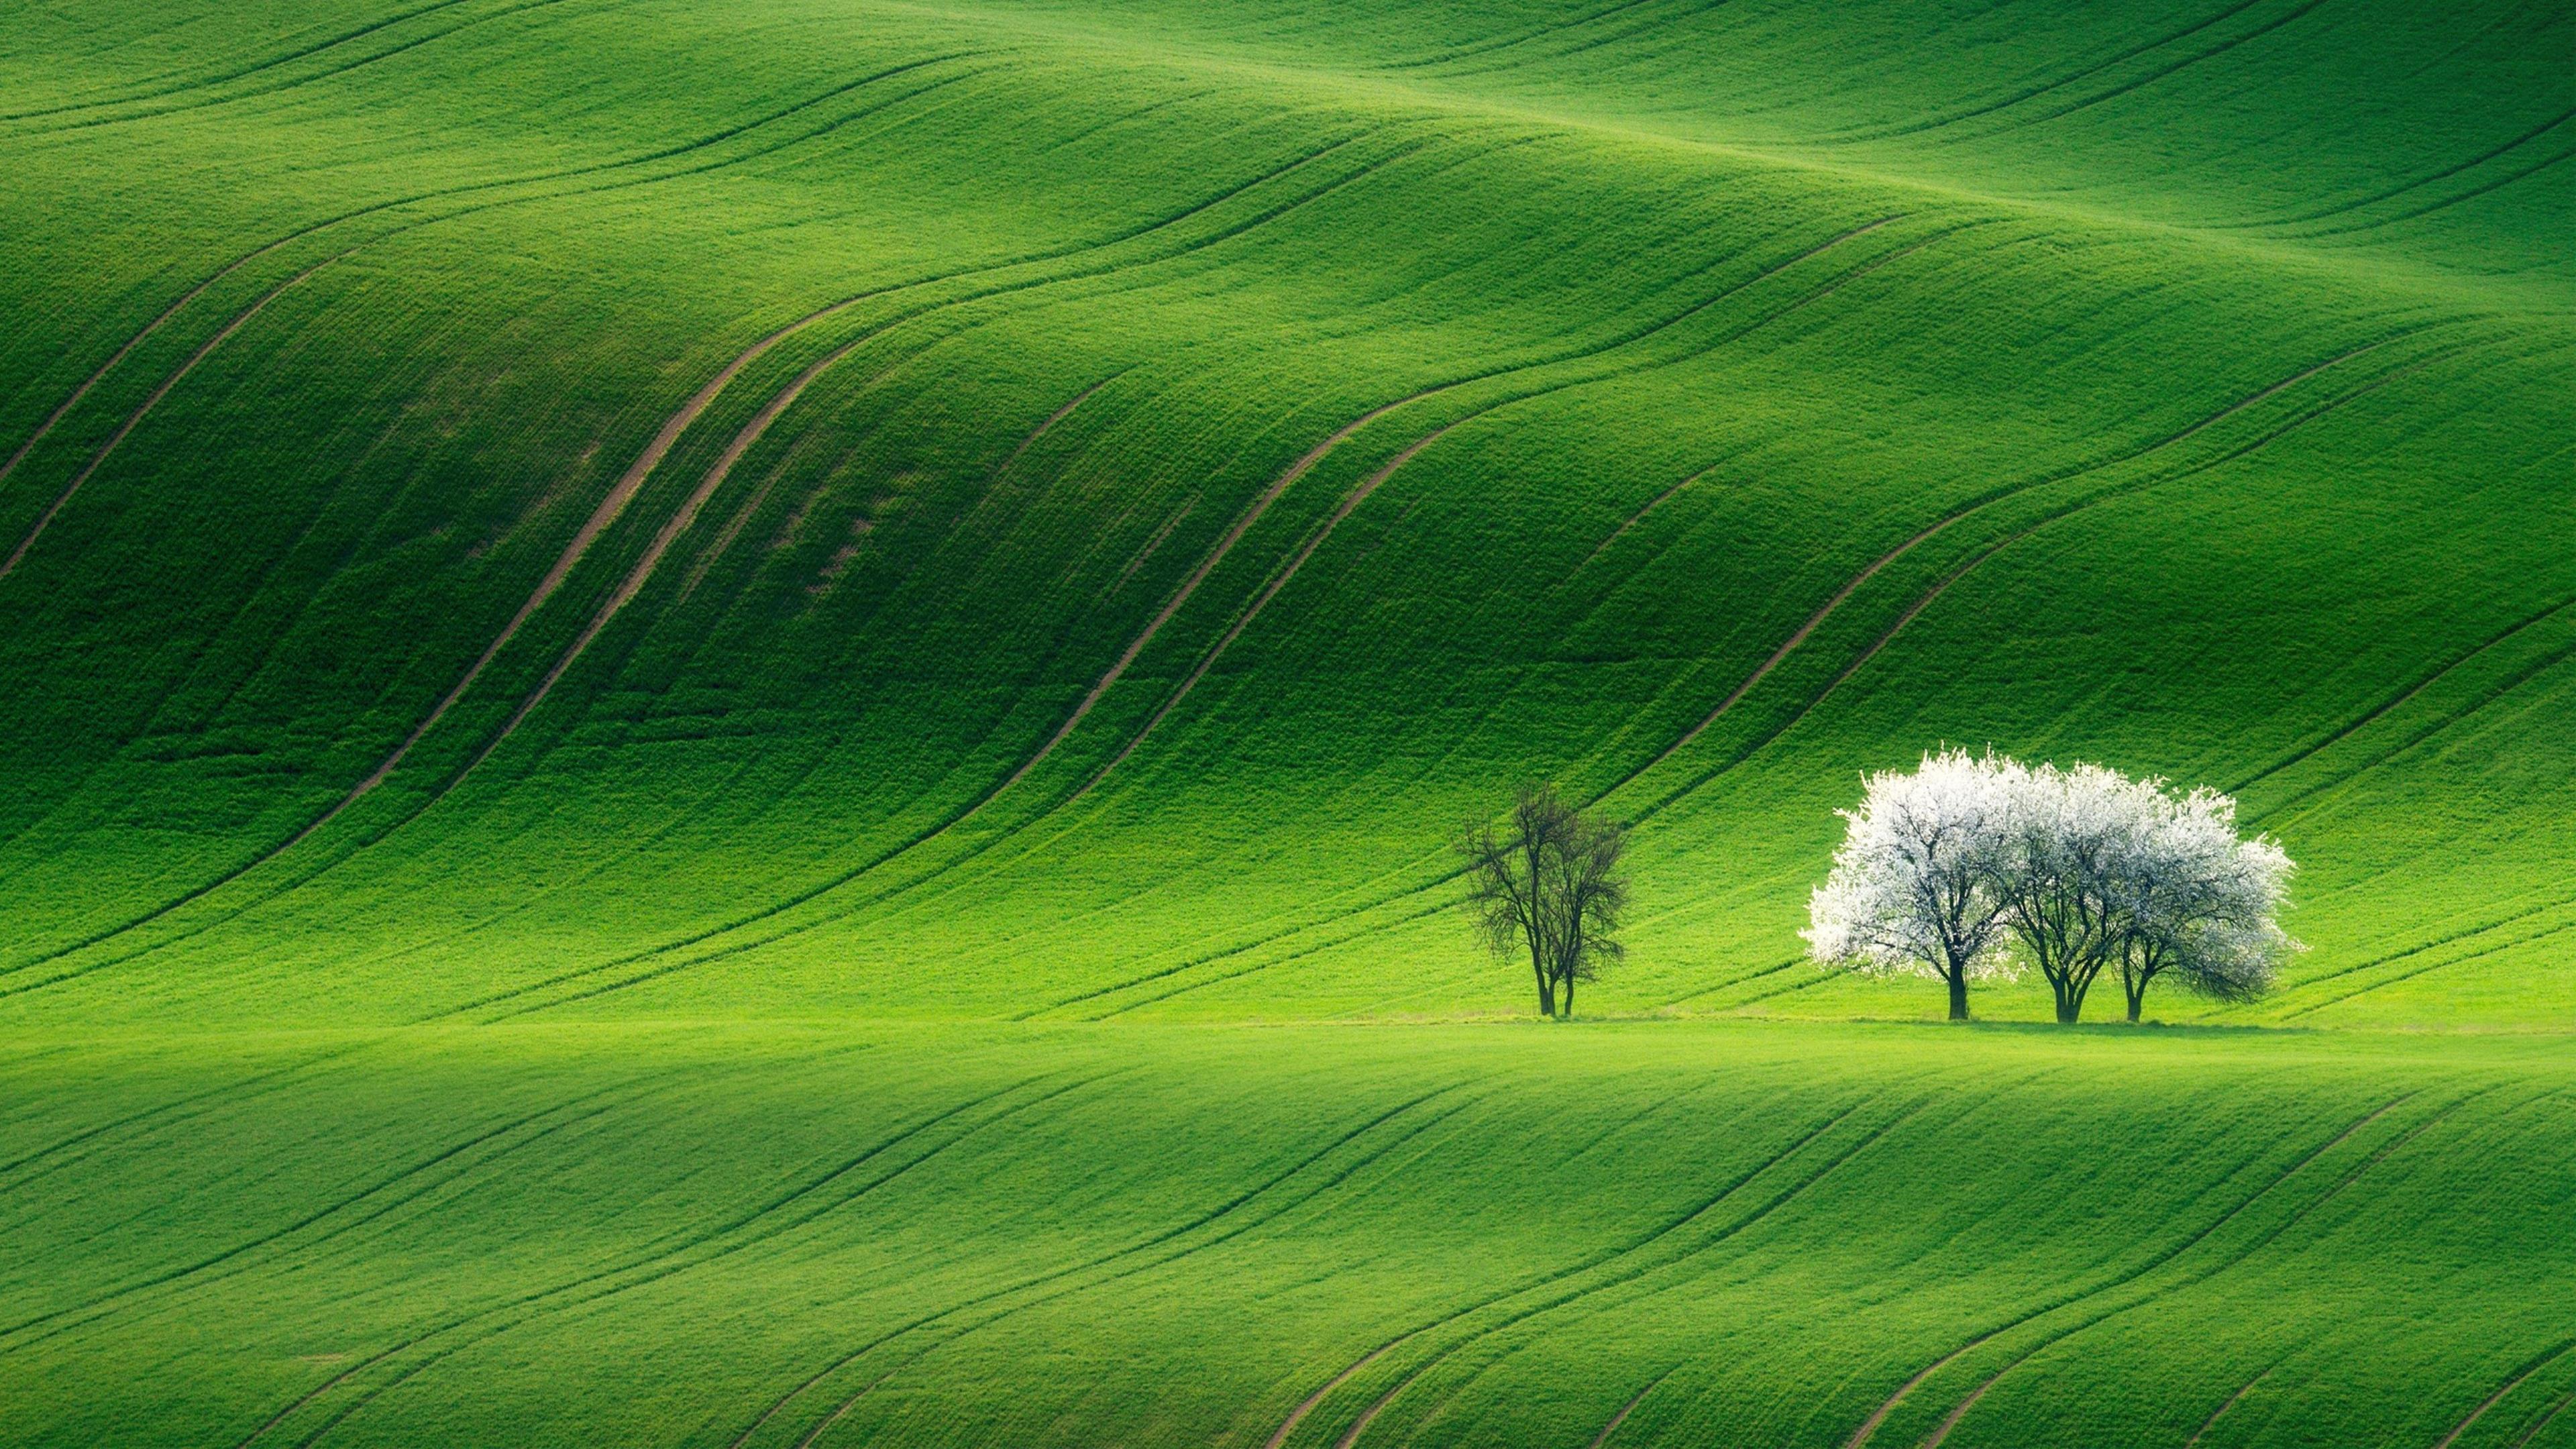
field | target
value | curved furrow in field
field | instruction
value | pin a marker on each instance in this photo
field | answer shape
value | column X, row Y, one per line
column 2166, row 72
column 52, row 1152
column 2443, row 203
column 1970, row 509
column 1602, row 1439
column 624, row 491
column 1360, row 493
column 2402, row 697
column 986, row 797
column 439, row 194
column 144, row 409
column 1878, row 1416
column 1942, row 586
column 1281, row 575
column 1306, row 1406
column 652, row 1265
column 2430, row 967
column 2414, row 184
column 1310, row 1194
column 1350, row 1437
column 1745, row 687
column 418, row 1176
column 2534, row 1432
column 299, row 82
column 2491, row 696
column 1540, row 32
column 1633, row 519
column 343, row 38
column 2221, row 1411
column 667, row 153
column 2029, row 93
column 1135, row 647
column 1951, row 1421
column 1692, row 10
column 2543, row 1361
column 680, row 819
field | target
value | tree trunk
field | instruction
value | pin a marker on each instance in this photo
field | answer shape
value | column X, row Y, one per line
column 1546, row 995
column 1569, row 996
column 1958, row 995
column 2137, row 999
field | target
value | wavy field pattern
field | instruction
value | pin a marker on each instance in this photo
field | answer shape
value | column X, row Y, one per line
column 733, row 724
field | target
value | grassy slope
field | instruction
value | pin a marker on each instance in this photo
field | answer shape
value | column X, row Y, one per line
column 1091, row 1235
column 2187, row 390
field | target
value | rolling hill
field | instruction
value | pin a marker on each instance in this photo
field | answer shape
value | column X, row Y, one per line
column 736, row 724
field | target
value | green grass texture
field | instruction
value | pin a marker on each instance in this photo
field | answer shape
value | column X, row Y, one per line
column 734, row 723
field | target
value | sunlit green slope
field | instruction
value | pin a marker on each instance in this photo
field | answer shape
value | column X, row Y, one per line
column 1304, row 1235
column 595, row 506
column 734, row 724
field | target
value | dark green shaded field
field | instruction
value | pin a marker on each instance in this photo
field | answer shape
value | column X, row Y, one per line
column 639, row 598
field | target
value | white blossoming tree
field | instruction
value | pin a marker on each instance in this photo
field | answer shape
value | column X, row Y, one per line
column 1915, row 887
column 1968, row 866
column 2196, row 903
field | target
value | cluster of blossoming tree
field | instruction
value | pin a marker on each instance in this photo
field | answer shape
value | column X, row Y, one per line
column 1972, row 867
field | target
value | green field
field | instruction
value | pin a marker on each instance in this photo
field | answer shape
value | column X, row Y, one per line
column 734, row 724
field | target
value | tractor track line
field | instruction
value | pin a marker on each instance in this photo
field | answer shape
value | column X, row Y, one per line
column 1351, row 1437
column 1369, row 485
column 1281, row 1211
column 2466, row 933
column 1645, row 26
column 1658, row 501
column 1310, row 1195
column 426, row 221
column 2482, row 158
column 2532, row 1433
column 1974, row 506
column 2221, row 1411
column 1541, row 32
column 271, row 63
column 113, row 1296
column 2034, row 92
column 871, row 1345
column 1135, row 647
column 2441, row 726
column 87, row 1134
column 601, row 517
column 135, row 418
column 298, row 82
column 2440, row 204
column 654, row 452
column 904, row 847
column 1860, row 1437
column 2152, row 77
column 539, row 178
column 2366, row 1164
column 2106, row 495
column 1545, row 1280
column 1602, row 1439
column 2431, row 967
column 1809, row 628
column 1278, row 580
column 2400, row 699
column 652, row 1260
column 698, row 572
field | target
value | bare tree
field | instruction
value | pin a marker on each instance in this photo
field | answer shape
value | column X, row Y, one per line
column 1917, row 886
column 1548, row 884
